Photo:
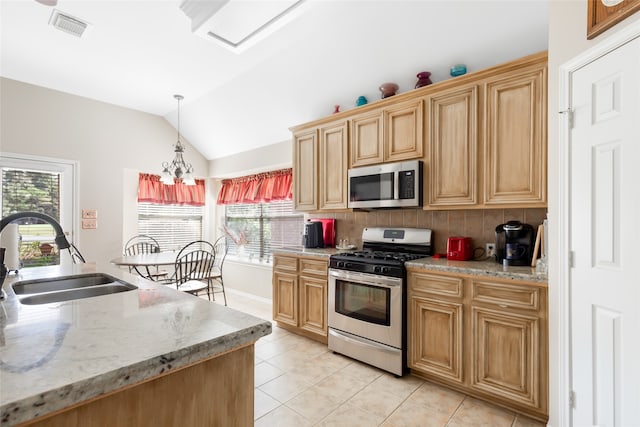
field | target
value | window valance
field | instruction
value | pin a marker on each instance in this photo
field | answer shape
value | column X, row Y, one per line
column 151, row 190
column 258, row 188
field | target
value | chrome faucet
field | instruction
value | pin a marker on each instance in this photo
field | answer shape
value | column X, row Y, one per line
column 60, row 239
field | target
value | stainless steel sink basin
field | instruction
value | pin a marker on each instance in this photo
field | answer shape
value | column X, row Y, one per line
column 45, row 291
column 73, row 294
column 62, row 283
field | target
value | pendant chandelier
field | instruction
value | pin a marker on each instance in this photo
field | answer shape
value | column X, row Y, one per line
column 177, row 168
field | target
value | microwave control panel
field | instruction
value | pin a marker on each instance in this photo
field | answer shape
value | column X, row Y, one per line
column 406, row 186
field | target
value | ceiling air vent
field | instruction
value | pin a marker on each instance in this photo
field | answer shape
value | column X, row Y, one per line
column 67, row 23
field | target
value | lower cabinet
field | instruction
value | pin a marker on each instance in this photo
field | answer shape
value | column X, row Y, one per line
column 300, row 295
column 486, row 337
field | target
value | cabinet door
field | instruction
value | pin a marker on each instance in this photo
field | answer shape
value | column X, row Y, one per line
column 403, row 131
column 452, row 142
column 285, row 298
column 435, row 338
column 515, row 165
column 305, row 170
column 333, row 166
column 313, row 304
column 505, row 355
column 367, row 139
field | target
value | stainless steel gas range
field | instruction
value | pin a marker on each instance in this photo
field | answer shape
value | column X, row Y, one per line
column 368, row 296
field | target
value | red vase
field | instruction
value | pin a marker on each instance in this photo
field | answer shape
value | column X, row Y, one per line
column 423, row 79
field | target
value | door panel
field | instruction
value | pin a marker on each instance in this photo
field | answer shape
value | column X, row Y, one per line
column 605, row 206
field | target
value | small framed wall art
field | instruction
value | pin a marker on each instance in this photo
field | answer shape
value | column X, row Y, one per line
column 604, row 14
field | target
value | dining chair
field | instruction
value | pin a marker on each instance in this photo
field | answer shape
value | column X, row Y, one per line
column 221, row 248
column 143, row 244
column 193, row 268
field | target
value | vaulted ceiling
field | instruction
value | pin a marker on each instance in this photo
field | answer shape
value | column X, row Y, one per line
column 138, row 54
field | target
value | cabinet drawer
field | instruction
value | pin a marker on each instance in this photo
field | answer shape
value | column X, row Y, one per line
column 285, row 263
column 315, row 267
column 436, row 285
column 506, row 295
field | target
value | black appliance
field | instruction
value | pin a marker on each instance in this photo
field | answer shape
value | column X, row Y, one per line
column 313, row 235
column 514, row 243
column 390, row 185
column 367, row 303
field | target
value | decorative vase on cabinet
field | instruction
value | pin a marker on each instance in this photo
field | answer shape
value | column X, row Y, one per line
column 423, row 79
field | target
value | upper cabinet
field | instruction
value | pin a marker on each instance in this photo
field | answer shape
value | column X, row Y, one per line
column 388, row 134
column 320, row 164
column 482, row 138
column 333, row 165
column 515, row 135
column 305, row 170
column 451, row 122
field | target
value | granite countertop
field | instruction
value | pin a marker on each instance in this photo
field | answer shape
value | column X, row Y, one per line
column 487, row 267
column 314, row 252
column 55, row 355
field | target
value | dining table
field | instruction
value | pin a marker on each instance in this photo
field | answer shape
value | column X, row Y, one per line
column 144, row 264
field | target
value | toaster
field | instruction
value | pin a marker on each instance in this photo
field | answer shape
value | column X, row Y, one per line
column 459, row 248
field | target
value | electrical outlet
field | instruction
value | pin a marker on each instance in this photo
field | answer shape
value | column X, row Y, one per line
column 490, row 249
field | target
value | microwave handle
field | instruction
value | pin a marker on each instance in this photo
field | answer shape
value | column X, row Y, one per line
column 396, row 185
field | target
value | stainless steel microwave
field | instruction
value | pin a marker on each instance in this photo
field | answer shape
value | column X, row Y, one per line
column 391, row 185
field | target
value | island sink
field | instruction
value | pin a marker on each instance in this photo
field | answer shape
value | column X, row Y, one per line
column 45, row 291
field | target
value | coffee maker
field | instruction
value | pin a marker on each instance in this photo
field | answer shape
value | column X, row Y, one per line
column 514, row 243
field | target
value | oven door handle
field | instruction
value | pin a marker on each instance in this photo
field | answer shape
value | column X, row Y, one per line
column 366, row 278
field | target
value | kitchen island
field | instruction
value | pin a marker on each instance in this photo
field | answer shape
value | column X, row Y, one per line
column 149, row 356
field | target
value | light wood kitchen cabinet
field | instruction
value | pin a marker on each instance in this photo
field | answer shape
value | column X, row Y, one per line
column 367, row 139
column 486, row 337
column 305, row 170
column 300, row 295
column 403, row 131
column 388, row 134
column 515, row 137
column 436, row 316
column 334, row 152
column 452, row 143
column 320, row 167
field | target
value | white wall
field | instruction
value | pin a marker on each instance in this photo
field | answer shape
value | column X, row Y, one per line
column 252, row 278
column 110, row 143
column 567, row 39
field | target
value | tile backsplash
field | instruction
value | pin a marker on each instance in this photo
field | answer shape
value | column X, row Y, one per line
column 479, row 224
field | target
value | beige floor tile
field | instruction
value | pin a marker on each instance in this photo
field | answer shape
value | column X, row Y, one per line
column 263, row 403
column 342, row 386
column 273, row 348
column 314, row 404
column 376, row 401
column 282, row 417
column 285, row 387
column 476, row 413
column 522, row 421
column 410, row 414
column 361, row 370
column 348, row 415
column 332, row 361
column 401, row 387
column 436, row 398
column 312, row 371
column 288, row 360
column 264, row 372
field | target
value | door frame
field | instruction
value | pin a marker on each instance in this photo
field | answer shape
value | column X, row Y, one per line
column 70, row 191
column 562, row 300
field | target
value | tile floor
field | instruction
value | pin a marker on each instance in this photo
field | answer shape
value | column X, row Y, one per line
column 299, row 382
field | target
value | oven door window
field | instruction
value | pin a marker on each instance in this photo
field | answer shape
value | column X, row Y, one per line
column 363, row 302
column 371, row 187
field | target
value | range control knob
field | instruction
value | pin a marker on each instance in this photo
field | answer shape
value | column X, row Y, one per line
column 385, row 270
column 340, row 264
column 377, row 269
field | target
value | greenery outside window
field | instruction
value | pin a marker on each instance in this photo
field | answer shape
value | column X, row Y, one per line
column 254, row 229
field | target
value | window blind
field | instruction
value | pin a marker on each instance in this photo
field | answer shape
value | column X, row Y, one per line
column 173, row 226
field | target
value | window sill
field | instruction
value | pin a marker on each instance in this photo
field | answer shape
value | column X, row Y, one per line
column 243, row 259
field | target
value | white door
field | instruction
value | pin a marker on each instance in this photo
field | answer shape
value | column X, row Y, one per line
column 66, row 171
column 604, row 239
